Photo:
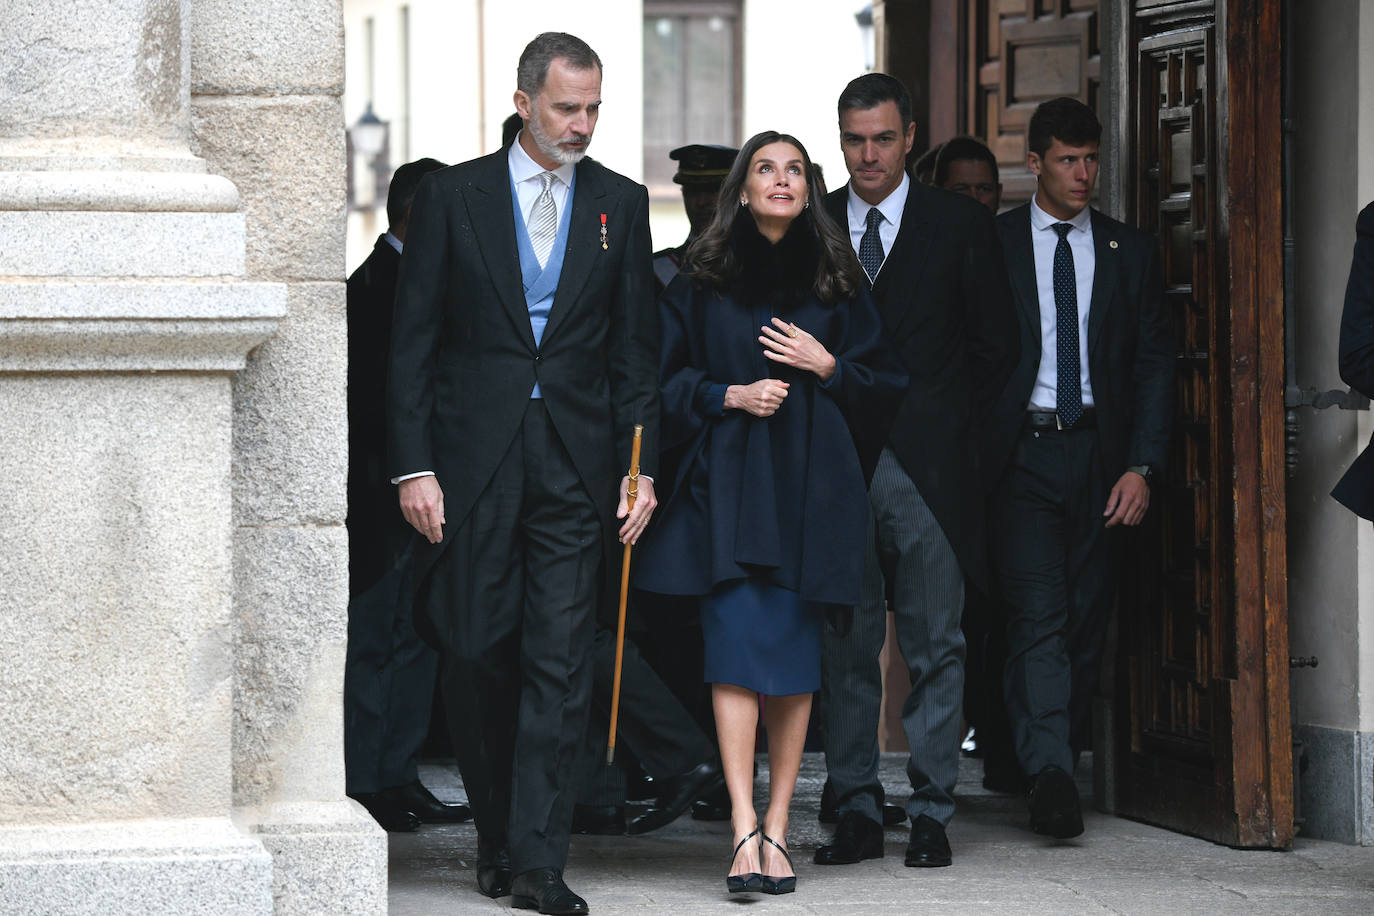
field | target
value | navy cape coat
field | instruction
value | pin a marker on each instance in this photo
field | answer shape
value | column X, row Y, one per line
column 784, row 497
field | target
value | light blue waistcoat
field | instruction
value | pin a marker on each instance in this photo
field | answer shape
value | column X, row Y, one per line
column 541, row 283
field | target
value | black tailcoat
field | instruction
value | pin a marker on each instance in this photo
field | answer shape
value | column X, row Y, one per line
column 464, row 358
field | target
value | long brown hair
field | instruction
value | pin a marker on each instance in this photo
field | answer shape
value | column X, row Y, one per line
column 712, row 259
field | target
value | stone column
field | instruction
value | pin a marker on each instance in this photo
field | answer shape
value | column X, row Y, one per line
column 125, row 313
column 266, row 86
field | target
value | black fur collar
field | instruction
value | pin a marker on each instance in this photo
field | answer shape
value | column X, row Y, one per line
column 783, row 273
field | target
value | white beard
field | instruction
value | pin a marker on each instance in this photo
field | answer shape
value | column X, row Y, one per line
column 549, row 147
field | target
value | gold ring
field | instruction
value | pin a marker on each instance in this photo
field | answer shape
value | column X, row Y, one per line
column 792, row 330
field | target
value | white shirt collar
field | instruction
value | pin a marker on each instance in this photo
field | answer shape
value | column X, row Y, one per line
column 392, row 241
column 523, row 168
column 890, row 207
column 1042, row 220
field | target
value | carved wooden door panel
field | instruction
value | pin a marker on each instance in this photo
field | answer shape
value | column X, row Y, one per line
column 1202, row 693
column 1020, row 53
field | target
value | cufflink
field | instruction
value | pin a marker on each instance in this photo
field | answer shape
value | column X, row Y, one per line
column 1112, row 243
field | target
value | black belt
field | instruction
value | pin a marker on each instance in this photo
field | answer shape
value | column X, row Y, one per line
column 1048, row 420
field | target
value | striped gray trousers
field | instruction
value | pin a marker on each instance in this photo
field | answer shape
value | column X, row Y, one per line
column 910, row 559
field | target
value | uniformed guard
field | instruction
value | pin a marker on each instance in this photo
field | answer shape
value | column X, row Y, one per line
column 701, row 170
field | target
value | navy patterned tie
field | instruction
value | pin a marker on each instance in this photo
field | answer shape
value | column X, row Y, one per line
column 871, row 245
column 1068, row 386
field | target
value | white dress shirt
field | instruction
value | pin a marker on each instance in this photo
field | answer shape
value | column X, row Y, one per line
column 1044, row 396
column 393, row 241
column 890, row 207
column 525, row 172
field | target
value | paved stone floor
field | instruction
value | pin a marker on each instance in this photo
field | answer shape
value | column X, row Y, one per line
column 1117, row 866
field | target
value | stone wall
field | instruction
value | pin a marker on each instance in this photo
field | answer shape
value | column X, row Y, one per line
column 266, row 83
column 173, row 434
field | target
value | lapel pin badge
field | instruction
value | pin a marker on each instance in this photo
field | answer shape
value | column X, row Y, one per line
column 603, row 232
column 1112, row 243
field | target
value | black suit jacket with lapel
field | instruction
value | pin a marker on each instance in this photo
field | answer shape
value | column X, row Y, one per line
column 1131, row 350
column 464, row 358
column 943, row 297
column 1355, row 490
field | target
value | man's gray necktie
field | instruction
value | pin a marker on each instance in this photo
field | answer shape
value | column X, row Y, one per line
column 543, row 220
column 1068, row 385
column 871, row 245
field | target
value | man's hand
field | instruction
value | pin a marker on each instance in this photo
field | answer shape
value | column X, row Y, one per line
column 1128, row 500
column 762, row 399
column 422, row 503
column 638, row 517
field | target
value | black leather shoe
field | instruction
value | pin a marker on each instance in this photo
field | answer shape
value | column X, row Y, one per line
column 829, row 813
column 590, row 820
column 929, row 847
column 856, row 838
column 388, row 815
column 1054, row 806
column 420, row 802
column 679, row 792
column 714, row 807
column 543, row 889
column 493, row 867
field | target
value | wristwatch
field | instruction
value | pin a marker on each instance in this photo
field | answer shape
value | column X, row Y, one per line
column 1144, row 470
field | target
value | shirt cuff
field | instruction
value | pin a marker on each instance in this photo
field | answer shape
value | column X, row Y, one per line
column 713, row 400
column 412, row 476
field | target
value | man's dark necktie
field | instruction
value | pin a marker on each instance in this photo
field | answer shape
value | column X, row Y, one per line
column 871, row 245
column 1068, row 386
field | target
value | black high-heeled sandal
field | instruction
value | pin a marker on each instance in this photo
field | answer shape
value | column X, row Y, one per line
column 771, row 885
column 750, row 882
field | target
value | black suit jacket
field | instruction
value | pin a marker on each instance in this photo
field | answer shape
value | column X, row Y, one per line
column 1131, row 351
column 1355, row 490
column 463, row 354
column 377, row 532
column 943, row 297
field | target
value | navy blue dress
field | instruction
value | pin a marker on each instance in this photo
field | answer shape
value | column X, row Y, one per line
column 766, row 518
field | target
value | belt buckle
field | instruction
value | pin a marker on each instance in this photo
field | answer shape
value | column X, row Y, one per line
column 1058, row 423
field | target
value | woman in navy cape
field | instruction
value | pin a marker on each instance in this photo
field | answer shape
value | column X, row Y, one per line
column 773, row 366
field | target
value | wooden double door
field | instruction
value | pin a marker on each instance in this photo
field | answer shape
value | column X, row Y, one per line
column 1196, row 730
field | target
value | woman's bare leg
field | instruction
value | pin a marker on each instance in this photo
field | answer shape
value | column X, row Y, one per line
column 737, row 720
column 787, row 718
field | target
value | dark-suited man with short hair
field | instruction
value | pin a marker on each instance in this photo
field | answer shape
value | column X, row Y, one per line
column 389, row 671
column 524, row 352
column 937, row 276
column 1355, row 490
column 1078, row 436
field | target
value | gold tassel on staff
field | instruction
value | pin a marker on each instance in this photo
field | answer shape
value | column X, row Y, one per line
column 631, row 491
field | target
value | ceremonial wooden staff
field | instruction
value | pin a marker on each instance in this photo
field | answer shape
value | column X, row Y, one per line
column 631, row 491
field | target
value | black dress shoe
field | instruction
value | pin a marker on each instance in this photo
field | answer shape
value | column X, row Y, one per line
column 679, row 792
column 929, row 847
column 543, row 889
column 830, row 814
column 388, row 815
column 1054, row 806
column 591, row 820
column 493, row 867
column 714, row 807
column 856, row 838
column 420, row 802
